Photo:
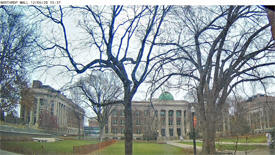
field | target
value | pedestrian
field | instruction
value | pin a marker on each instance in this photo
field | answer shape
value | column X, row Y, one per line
column 269, row 139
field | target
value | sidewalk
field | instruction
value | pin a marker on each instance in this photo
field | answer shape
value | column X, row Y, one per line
column 250, row 152
column 262, row 144
column 185, row 146
column 3, row 152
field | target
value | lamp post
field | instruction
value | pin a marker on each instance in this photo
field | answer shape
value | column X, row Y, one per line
column 193, row 128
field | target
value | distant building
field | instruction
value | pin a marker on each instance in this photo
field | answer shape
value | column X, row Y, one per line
column 93, row 128
column 164, row 119
column 93, row 122
column 51, row 107
column 259, row 110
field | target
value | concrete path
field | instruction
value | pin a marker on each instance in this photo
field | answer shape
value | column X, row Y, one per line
column 262, row 144
column 185, row 146
column 3, row 152
column 250, row 152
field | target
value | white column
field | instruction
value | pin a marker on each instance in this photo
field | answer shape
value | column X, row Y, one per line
column 62, row 112
column 109, row 124
column 249, row 119
column 261, row 122
column 65, row 115
column 182, row 123
column 166, row 124
column 62, row 115
column 175, row 134
column 159, row 123
column 31, row 117
column 268, row 119
column 264, row 119
column 59, row 114
column 37, row 111
column 223, row 124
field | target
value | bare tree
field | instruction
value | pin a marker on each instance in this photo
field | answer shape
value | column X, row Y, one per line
column 116, row 37
column 218, row 48
column 77, row 110
column 47, row 120
column 79, row 115
column 271, row 18
column 17, row 43
column 102, row 90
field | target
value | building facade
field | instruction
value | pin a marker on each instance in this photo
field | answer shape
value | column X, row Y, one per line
column 93, row 129
column 52, row 110
column 259, row 111
column 164, row 118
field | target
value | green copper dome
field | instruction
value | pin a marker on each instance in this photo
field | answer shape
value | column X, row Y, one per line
column 166, row 96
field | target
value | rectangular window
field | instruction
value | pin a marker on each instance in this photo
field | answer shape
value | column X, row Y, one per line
column 114, row 121
column 163, row 121
column 114, row 113
column 122, row 131
column 171, row 112
column 138, row 122
column 114, row 130
column 178, row 121
column 179, row 131
column 171, row 132
column 137, row 113
column 162, row 113
column 178, row 113
column 146, row 112
column 52, row 108
column 121, row 122
column 122, row 113
column 170, row 122
column 42, row 102
column 138, row 131
column 163, row 132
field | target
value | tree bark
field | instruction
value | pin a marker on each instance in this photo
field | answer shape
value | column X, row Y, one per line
column 209, row 126
column 128, row 126
column 101, row 130
column 209, row 137
column 79, row 129
column 271, row 18
column 2, row 115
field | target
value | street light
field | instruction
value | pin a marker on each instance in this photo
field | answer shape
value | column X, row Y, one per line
column 193, row 128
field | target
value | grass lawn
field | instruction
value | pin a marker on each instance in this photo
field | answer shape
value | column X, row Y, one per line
column 60, row 147
column 222, row 147
column 250, row 139
column 143, row 148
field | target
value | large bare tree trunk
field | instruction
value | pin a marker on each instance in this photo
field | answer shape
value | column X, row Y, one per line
column 209, row 135
column 209, row 114
column 128, row 126
column 271, row 18
column 79, row 124
column 101, row 130
column 2, row 115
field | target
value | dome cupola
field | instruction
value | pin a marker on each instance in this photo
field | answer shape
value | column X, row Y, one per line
column 166, row 96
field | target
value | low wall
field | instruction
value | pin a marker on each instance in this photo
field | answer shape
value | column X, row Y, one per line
column 85, row 149
column 20, row 136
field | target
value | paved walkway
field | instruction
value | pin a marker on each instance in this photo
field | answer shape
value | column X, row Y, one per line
column 262, row 144
column 251, row 152
column 3, row 152
column 185, row 146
